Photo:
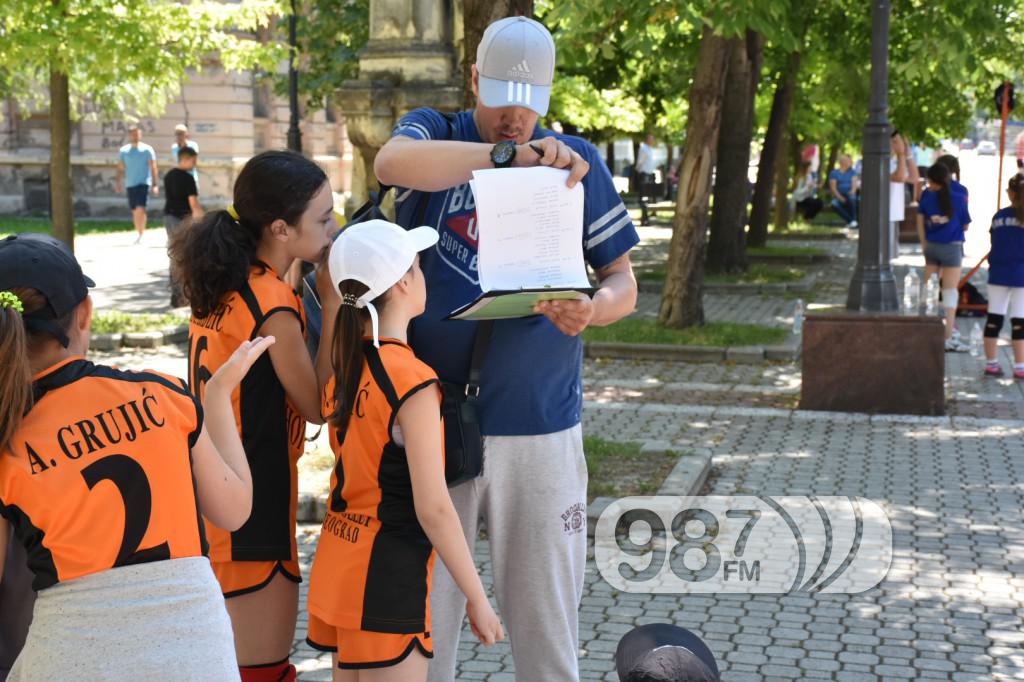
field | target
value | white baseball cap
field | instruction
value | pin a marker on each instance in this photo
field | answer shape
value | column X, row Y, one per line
column 376, row 253
column 516, row 63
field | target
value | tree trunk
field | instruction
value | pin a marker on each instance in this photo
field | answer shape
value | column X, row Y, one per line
column 825, row 168
column 760, row 212
column 726, row 248
column 477, row 15
column 782, row 167
column 609, row 156
column 681, row 299
column 61, row 203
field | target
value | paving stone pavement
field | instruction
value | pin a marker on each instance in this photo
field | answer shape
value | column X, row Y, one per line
column 952, row 605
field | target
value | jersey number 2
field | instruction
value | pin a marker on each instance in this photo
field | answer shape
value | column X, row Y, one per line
column 130, row 479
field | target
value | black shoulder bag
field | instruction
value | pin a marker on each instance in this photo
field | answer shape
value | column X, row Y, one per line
column 463, row 442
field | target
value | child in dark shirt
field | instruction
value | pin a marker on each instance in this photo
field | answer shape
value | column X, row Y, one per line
column 182, row 202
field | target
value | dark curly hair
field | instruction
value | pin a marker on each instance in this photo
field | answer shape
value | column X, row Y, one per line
column 212, row 256
column 1016, row 187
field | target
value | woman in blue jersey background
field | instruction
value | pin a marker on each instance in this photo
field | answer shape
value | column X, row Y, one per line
column 941, row 221
column 1006, row 280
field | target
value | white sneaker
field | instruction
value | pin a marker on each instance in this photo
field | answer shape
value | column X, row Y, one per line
column 954, row 345
column 853, row 224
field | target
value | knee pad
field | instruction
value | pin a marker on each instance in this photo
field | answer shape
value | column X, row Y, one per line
column 1017, row 328
column 993, row 325
column 950, row 298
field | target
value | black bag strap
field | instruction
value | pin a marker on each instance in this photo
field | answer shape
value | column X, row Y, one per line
column 380, row 375
column 481, row 340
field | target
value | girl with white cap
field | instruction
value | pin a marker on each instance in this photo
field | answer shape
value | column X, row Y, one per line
column 369, row 600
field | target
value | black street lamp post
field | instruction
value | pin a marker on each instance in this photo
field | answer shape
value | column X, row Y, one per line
column 873, row 286
column 294, row 134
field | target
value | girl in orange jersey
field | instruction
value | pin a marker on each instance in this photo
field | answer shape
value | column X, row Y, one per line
column 230, row 265
column 102, row 477
column 389, row 505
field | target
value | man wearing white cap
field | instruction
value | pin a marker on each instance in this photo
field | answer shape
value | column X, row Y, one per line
column 532, row 494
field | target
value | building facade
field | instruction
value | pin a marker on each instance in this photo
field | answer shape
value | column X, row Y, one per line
column 230, row 116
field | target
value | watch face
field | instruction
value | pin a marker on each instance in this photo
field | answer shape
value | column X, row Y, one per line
column 503, row 152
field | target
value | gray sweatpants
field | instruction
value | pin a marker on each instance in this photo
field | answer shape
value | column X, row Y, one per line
column 532, row 497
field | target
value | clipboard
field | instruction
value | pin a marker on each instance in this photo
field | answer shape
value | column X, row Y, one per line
column 507, row 304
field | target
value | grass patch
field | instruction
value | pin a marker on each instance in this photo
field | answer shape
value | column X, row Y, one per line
column 819, row 226
column 788, row 251
column 115, row 322
column 619, row 470
column 757, row 273
column 727, row 334
column 615, row 469
column 14, row 225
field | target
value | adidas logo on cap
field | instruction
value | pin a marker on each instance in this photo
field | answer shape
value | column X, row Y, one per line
column 521, row 71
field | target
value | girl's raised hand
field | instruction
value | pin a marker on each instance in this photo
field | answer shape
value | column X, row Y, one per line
column 484, row 623
column 234, row 370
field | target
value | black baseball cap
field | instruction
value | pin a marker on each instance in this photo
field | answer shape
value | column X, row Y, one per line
column 44, row 263
column 662, row 652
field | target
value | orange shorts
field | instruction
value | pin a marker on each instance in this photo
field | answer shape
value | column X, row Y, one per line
column 363, row 649
column 242, row 577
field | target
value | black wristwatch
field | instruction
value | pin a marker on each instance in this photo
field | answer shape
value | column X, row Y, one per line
column 503, row 153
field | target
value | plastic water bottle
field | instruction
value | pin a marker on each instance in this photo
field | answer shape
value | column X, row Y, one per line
column 798, row 317
column 911, row 292
column 976, row 341
column 931, row 295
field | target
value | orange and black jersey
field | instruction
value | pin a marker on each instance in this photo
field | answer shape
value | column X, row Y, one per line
column 99, row 474
column 272, row 430
column 373, row 561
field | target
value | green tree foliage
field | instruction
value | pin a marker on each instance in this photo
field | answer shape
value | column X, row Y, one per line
column 115, row 58
column 330, row 36
column 124, row 57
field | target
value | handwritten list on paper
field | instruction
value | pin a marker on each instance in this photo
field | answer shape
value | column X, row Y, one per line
column 531, row 229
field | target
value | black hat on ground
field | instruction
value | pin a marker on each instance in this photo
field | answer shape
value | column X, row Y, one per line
column 661, row 652
column 46, row 264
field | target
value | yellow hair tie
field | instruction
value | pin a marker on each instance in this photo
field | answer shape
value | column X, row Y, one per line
column 8, row 299
column 232, row 212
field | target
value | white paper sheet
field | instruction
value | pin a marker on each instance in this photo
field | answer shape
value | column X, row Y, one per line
column 531, row 229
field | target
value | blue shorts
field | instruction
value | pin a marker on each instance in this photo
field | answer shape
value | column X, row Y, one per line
column 138, row 195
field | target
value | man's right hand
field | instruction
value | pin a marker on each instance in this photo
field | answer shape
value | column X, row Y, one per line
column 556, row 154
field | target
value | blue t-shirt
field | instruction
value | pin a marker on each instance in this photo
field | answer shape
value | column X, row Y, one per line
column 530, row 383
column 937, row 227
column 957, row 187
column 1006, row 260
column 844, row 180
column 136, row 164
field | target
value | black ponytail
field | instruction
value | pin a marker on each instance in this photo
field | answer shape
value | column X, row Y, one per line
column 939, row 174
column 212, row 257
column 347, row 354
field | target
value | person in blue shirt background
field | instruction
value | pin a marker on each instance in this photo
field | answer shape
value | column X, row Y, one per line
column 1006, row 280
column 532, row 492
column 136, row 172
column 941, row 221
column 953, row 164
column 843, row 183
